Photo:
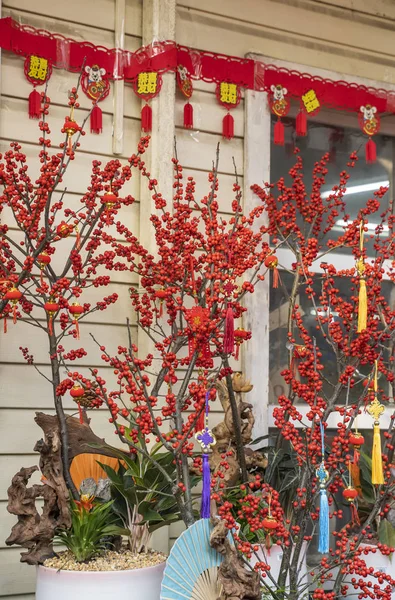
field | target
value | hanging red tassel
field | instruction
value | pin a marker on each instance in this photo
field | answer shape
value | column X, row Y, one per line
column 14, row 314
column 50, row 326
column 229, row 333
column 279, row 133
column 276, row 278
column 34, row 105
column 370, row 151
column 96, row 120
column 188, row 116
column 75, row 323
column 146, row 118
column 228, row 127
column 5, row 324
column 199, row 425
column 301, row 123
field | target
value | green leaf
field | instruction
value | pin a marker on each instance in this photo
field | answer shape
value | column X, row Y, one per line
column 387, row 533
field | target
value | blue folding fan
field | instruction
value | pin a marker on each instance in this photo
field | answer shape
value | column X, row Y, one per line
column 191, row 571
column 192, row 567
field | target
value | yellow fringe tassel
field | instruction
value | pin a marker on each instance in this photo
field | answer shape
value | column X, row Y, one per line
column 377, row 462
column 362, row 305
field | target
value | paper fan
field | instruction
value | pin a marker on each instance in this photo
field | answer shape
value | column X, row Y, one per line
column 192, row 567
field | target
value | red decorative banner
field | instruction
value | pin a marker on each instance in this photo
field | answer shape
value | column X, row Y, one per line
column 161, row 57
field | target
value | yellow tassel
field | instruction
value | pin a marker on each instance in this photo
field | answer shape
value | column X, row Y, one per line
column 377, row 462
column 362, row 306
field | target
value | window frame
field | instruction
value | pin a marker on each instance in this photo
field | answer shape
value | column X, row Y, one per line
column 257, row 147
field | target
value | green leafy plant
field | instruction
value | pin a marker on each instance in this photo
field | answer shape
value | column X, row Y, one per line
column 90, row 524
column 143, row 494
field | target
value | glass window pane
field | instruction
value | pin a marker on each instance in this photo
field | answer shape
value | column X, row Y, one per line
column 339, row 142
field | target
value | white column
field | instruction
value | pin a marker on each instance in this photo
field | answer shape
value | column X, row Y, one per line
column 159, row 19
column 119, row 84
column 257, row 171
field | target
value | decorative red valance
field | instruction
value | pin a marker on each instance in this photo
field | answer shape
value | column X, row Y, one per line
column 137, row 68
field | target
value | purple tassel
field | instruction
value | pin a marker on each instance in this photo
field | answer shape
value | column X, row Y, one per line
column 206, row 493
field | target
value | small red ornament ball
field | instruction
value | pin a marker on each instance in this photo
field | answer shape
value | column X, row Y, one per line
column 109, row 199
column 63, row 229
column 51, row 307
column 271, row 261
column 270, row 523
column 76, row 309
column 356, row 438
column 43, row 259
column 13, row 294
column 240, row 334
column 77, row 391
column 350, row 494
column 161, row 294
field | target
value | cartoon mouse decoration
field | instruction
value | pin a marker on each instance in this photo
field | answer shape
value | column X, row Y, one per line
column 279, row 105
column 369, row 122
column 97, row 87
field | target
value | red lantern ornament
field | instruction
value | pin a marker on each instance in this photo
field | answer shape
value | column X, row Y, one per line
column 43, row 260
column 76, row 393
column 357, row 440
column 270, row 523
column 298, row 352
column 240, row 336
column 280, row 106
column 146, row 86
column 228, row 95
column 350, row 494
column 97, row 87
column 38, row 71
column 369, row 122
column 70, row 127
column 13, row 295
column 161, row 295
column 109, row 199
column 185, row 86
column 76, row 310
column 51, row 308
column 64, row 229
column 271, row 262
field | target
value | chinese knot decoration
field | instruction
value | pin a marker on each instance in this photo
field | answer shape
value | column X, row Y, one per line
column 369, row 122
column 229, row 96
column 376, row 409
column 206, row 439
column 185, row 86
column 97, row 87
column 147, row 85
column 279, row 105
column 37, row 71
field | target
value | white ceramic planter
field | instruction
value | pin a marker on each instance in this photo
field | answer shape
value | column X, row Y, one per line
column 133, row 584
column 379, row 562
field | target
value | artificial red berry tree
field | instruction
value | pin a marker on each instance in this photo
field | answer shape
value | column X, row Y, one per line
column 190, row 305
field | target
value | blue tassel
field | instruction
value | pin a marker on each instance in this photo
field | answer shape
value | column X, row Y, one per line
column 206, row 493
column 323, row 543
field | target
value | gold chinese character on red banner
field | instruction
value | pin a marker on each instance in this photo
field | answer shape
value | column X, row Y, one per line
column 310, row 101
column 147, row 83
column 228, row 93
column 38, row 68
